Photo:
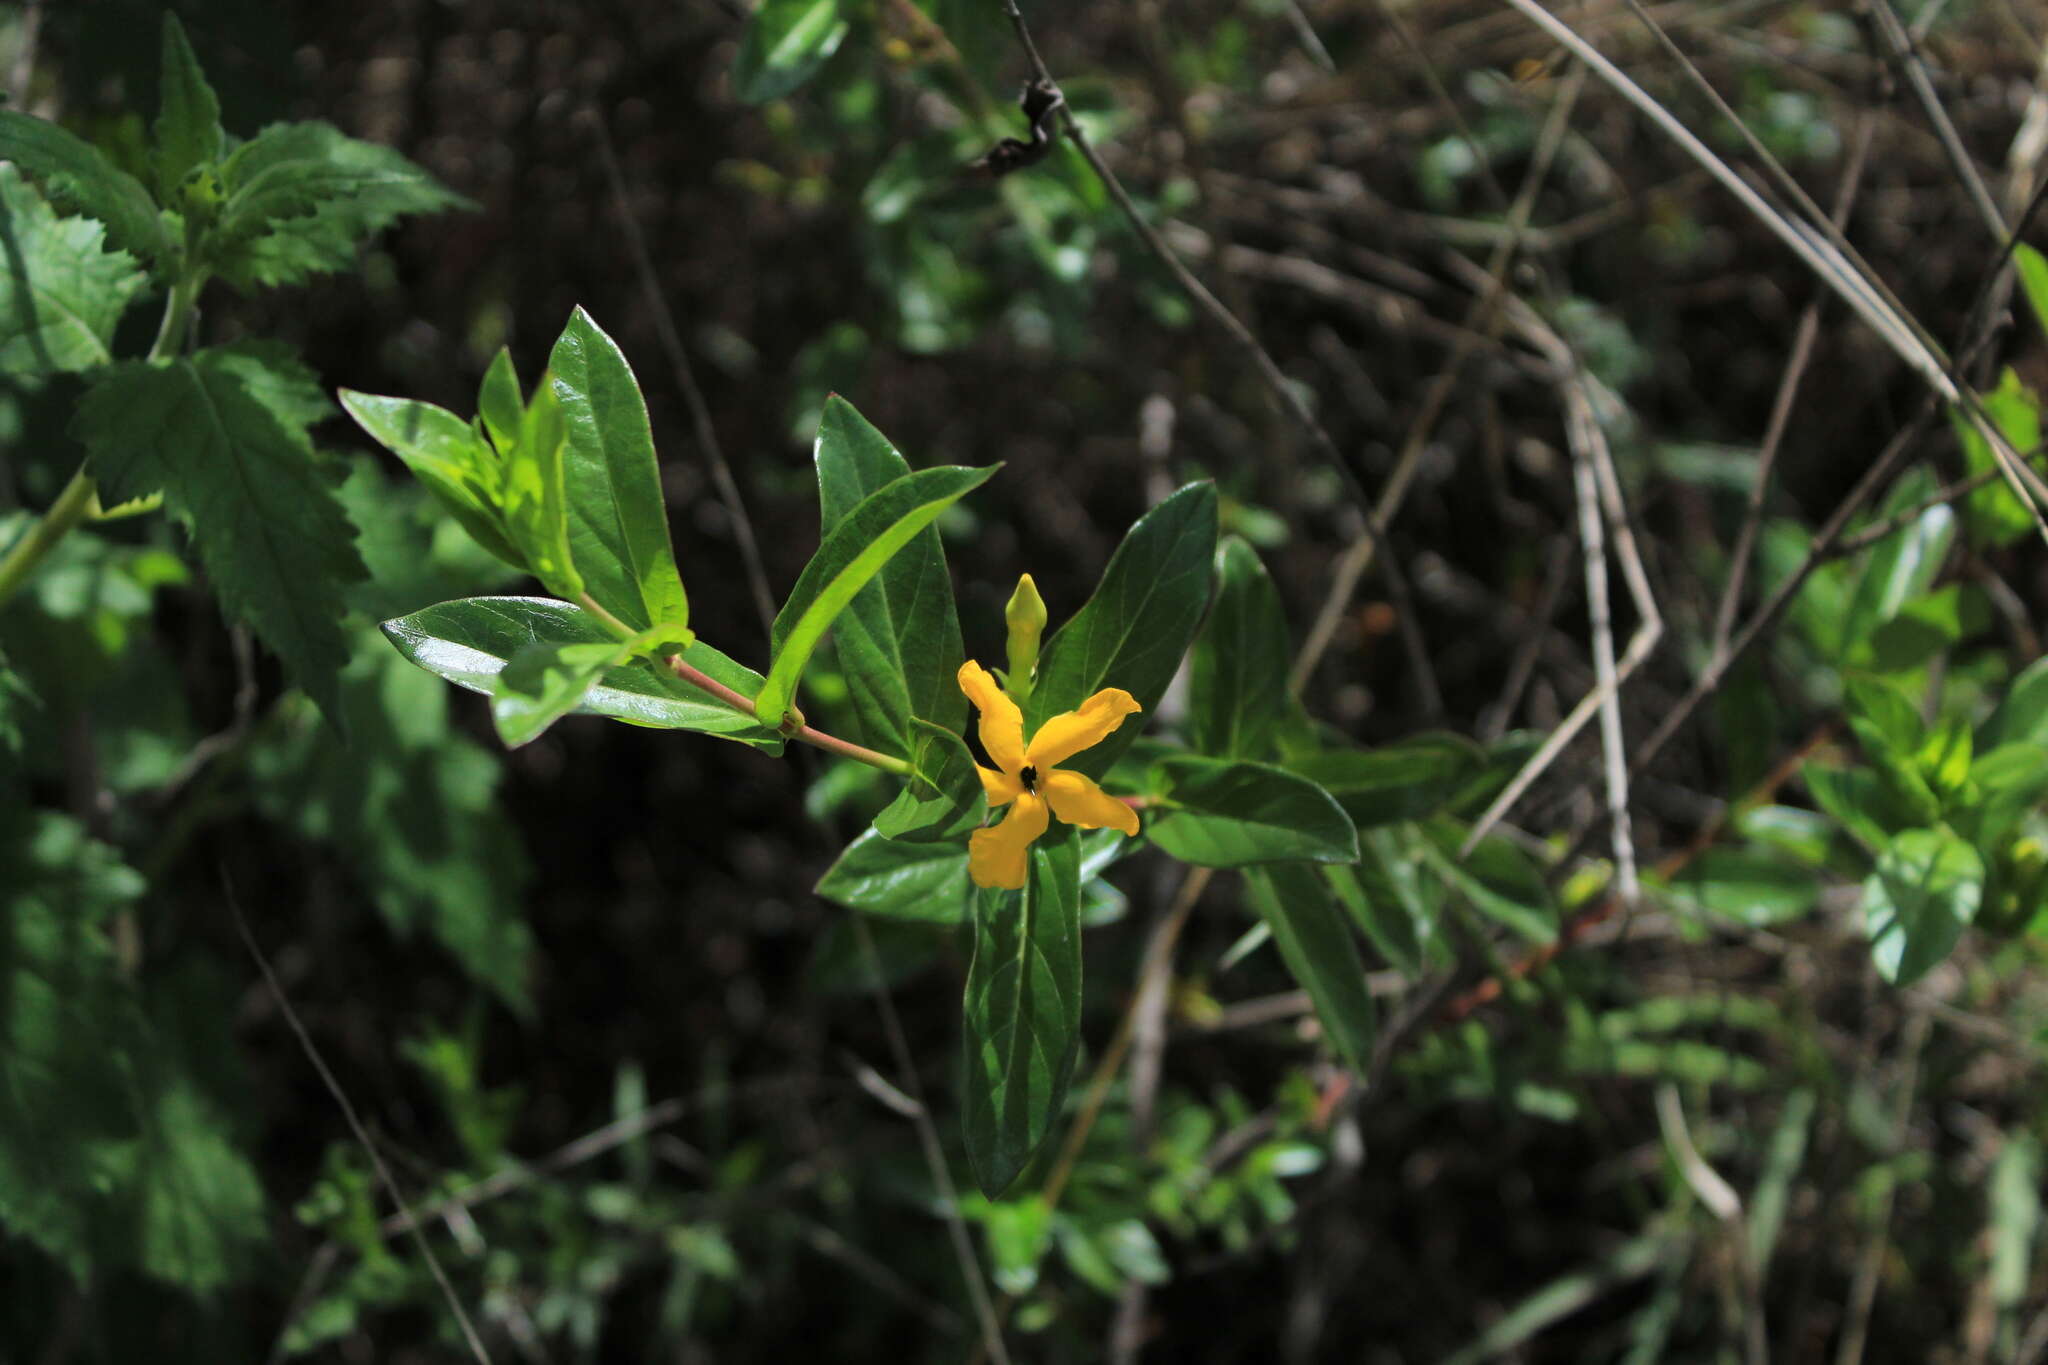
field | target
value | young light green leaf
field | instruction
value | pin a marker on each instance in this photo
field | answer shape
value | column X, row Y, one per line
column 1237, row 686
column 188, row 132
column 1133, row 631
column 534, row 500
column 1215, row 813
column 443, row 452
column 2022, row 713
column 61, row 292
column 618, row 520
column 898, row 880
column 469, row 641
column 541, row 683
column 1857, row 801
column 857, row 548
column 2033, row 272
column 785, row 44
column 1899, row 567
column 298, row 198
column 499, row 405
column 1022, row 1012
column 76, row 175
column 1994, row 515
column 899, row 639
column 1925, row 889
column 1409, row 779
column 223, row 434
column 1317, row 946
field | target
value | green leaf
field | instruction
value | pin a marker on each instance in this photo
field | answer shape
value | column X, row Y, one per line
column 943, row 799
column 785, row 44
column 469, row 641
column 618, row 521
column 1857, row 801
column 1133, row 631
column 1498, row 878
column 1022, row 1013
column 1891, row 735
column 498, row 403
column 1900, row 567
column 188, row 132
column 2008, row 782
column 1993, row 513
column 541, row 683
column 1317, row 946
column 1387, row 897
column 1751, row 886
column 854, row 551
column 2033, row 273
column 77, row 176
column 1926, row 887
column 898, row 880
column 1409, row 779
column 223, row 434
column 61, row 292
column 1237, row 685
column 443, row 453
column 534, row 499
column 1223, row 814
column 899, row 639
column 2023, row 712
column 299, row 198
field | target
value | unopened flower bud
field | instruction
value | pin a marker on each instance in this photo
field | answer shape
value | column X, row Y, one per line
column 1025, row 615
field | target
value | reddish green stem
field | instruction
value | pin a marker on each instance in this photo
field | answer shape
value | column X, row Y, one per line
column 817, row 739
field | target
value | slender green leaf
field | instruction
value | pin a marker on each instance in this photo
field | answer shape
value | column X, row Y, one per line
column 223, row 434
column 1899, row 567
column 534, row 498
column 469, row 641
column 785, row 44
column 856, row 549
column 2012, row 1196
column 1391, row 897
column 1022, row 1013
column 1782, row 1159
column 1317, row 946
column 77, row 176
column 1627, row 1262
column 2033, row 273
column 1133, row 631
column 618, row 521
column 1237, row 686
column 898, row 880
column 1409, row 779
column 61, row 292
column 1756, row 887
column 1222, row 814
column 1925, row 889
column 1498, row 878
column 499, row 406
column 443, row 452
column 188, row 132
column 899, row 639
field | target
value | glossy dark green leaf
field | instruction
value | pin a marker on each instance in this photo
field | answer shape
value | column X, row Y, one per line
column 943, row 799
column 1924, row 891
column 443, row 453
column 899, row 880
column 1022, row 1012
column 785, row 44
column 188, row 132
column 77, row 176
column 1215, row 813
column 1133, row 631
column 223, row 433
column 541, row 683
column 860, row 544
column 1237, row 683
column 1409, row 779
column 899, row 639
column 468, row 642
column 61, row 292
column 1315, row 942
column 618, row 521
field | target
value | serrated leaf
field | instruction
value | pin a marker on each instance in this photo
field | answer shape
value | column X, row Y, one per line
column 1924, row 891
column 298, row 198
column 898, row 641
column 443, row 453
column 541, row 683
column 223, row 433
column 1409, row 779
column 1022, row 1013
column 188, row 131
column 855, row 550
column 1133, row 631
column 785, row 44
column 899, row 880
column 1314, row 941
column 61, row 292
column 76, row 175
column 1216, row 813
column 618, row 521
column 468, row 642
column 1237, row 683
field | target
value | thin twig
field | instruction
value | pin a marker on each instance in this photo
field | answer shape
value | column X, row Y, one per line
column 1906, row 50
column 806, row 734
column 1585, row 484
column 686, row 379
column 362, row 1134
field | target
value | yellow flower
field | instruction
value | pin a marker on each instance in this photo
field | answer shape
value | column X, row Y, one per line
column 1029, row 781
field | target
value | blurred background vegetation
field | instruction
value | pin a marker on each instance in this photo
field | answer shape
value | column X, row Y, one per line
column 583, row 994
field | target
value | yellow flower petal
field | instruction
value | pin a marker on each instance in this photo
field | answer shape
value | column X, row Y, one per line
column 999, row 856
column 1067, row 734
column 1002, row 724
column 1078, row 801
column 1001, row 787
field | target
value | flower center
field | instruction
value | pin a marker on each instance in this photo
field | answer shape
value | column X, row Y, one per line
column 1029, row 777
